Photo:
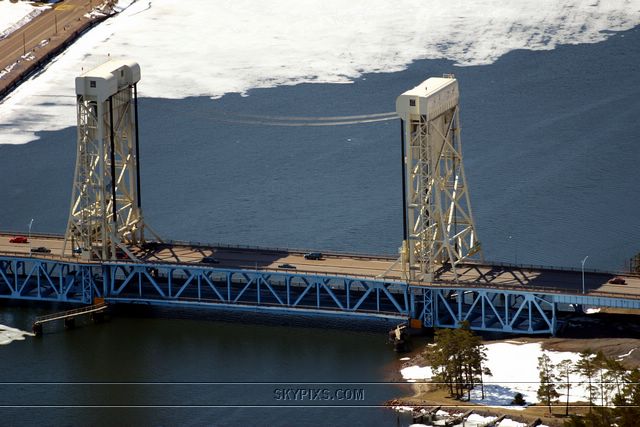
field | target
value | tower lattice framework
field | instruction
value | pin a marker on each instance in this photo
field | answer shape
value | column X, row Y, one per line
column 106, row 211
column 439, row 231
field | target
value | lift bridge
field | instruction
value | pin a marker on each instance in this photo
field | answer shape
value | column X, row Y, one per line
column 438, row 280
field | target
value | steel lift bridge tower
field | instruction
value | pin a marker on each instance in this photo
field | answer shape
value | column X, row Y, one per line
column 439, row 231
column 105, row 209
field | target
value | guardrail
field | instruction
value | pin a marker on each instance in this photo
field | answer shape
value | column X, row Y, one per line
column 70, row 313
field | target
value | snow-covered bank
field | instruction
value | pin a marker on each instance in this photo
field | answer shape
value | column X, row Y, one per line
column 233, row 46
column 15, row 15
column 515, row 370
column 473, row 420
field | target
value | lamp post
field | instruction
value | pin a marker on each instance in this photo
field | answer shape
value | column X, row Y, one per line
column 583, row 261
column 30, row 224
column 515, row 252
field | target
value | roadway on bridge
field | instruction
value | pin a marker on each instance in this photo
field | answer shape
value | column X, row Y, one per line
column 40, row 36
column 499, row 276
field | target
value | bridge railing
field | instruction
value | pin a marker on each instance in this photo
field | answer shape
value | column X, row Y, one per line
column 553, row 268
column 279, row 249
column 36, row 235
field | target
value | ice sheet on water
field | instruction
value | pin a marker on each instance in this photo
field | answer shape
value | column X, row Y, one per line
column 9, row 334
column 236, row 45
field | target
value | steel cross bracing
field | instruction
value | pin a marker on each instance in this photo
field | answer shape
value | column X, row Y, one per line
column 254, row 289
column 438, row 305
column 26, row 278
column 439, row 227
column 105, row 208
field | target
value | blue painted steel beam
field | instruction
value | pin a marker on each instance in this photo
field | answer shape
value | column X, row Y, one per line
column 500, row 310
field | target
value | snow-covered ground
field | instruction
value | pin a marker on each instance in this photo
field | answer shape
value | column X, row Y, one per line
column 515, row 370
column 192, row 48
column 9, row 334
column 15, row 15
column 474, row 420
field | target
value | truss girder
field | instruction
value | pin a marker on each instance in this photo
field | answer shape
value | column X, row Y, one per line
column 487, row 309
column 47, row 280
column 495, row 310
column 166, row 284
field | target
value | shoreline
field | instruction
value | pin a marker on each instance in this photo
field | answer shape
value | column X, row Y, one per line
column 621, row 347
column 72, row 24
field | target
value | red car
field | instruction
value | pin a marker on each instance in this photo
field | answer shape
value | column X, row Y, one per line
column 19, row 239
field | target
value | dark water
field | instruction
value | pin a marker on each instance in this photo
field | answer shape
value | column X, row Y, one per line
column 551, row 154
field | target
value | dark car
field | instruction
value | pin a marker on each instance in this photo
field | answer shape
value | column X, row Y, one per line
column 77, row 250
column 41, row 250
column 287, row 266
column 617, row 281
column 152, row 245
column 313, row 255
column 19, row 239
column 209, row 260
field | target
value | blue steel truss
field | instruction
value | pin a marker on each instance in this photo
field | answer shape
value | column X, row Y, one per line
column 49, row 280
column 523, row 311
column 169, row 284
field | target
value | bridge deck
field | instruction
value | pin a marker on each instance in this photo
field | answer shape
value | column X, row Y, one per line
column 491, row 276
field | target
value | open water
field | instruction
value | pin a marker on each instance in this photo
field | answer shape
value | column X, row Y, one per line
column 551, row 146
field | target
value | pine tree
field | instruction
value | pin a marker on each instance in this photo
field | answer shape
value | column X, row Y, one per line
column 587, row 369
column 547, row 390
column 615, row 375
column 564, row 369
column 604, row 387
column 627, row 402
column 457, row 358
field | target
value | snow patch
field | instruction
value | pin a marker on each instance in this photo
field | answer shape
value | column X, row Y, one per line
column 13, row 16
column 9, row 334
column 622, row 356
column 514, row 369
column 417, row 373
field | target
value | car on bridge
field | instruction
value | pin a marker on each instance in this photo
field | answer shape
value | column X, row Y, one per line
column 617, row 281
column 41, row 250
column 209, row 260
column 19, row 239
column 313, row 255
column 287, row 266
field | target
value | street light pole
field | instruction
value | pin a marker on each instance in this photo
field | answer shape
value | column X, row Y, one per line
column 515, row 251
column 583, row 261
column 30, row 224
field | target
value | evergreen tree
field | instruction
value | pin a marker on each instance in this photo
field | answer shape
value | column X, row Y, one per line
column 564, row 369
column 627, row 402
column 586, row 368
column 457, row 358
column 615, row 375
column 604, row 386
column 547, row 390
